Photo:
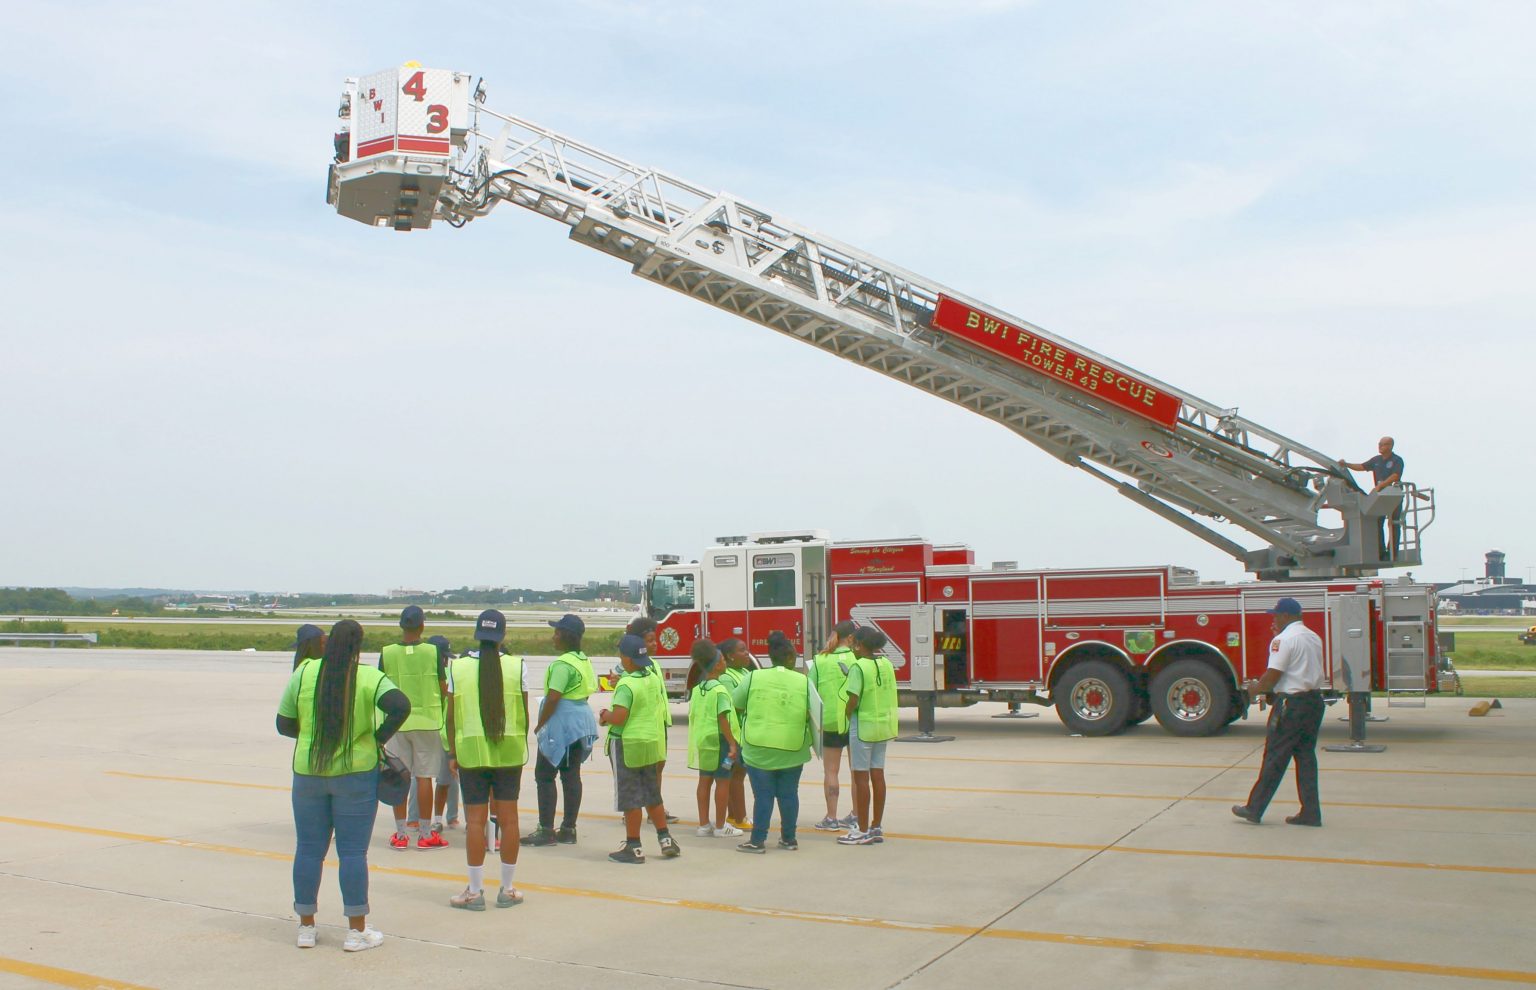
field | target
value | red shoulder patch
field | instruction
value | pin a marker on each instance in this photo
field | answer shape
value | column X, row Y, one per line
column 1274, row 646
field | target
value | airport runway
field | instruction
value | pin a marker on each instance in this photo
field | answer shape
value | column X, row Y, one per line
column 147, row 843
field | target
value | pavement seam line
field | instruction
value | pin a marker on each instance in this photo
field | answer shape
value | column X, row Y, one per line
column 1019, row 843
column 883, row 924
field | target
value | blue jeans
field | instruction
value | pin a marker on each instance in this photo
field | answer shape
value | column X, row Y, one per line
column 769, row 786
column 346, row 805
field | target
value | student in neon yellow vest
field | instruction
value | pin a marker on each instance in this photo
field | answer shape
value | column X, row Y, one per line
column 738, row 661
column 829, row 672
column 329, row 709
column 419, row 670
column 487, row 715
column 645, row 628
column 871, row 709
column 636, row 743
column 713, row 731
column 566, row 732
column 775, row 741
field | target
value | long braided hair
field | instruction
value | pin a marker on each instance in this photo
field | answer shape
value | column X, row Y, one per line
column 334, row 693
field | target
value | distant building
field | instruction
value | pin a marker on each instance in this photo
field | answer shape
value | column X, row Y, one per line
column 635, row 586
column 406, row 593
column 1493, row 592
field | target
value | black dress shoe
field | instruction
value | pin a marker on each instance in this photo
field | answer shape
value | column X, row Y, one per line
column 1299, row 820
column 1241, row 811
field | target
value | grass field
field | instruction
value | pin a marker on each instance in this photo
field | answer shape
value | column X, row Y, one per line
column 1473, row 621
column 1499, row 687
column 211, row 634
column 1492, row 651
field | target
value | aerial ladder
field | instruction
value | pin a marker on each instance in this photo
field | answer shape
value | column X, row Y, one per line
column 419, row 146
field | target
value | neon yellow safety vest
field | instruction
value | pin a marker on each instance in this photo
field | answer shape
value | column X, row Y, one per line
column 731, row 677
column 704, row 741
column 358, row 750
column 877, row 702
column 578, row 662
column 644, row 743
column 831, row 675
column 471, row 746
column 778, row 710
column 413, row 668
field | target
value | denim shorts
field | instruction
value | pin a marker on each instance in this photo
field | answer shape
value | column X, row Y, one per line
column 864, row 755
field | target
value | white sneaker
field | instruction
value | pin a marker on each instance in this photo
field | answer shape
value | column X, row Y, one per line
column 362, row 941
column 306, row 939
column 729, row 830
column 706, row 831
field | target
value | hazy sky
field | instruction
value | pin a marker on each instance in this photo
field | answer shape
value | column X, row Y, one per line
column 1321, row 213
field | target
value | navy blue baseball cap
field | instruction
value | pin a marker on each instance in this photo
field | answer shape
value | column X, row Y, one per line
column 633, row 647
column 1286, row 606
column 491, row 625
column 441, row 642
column 411, row 616
column 569, row 623
column 306, row 633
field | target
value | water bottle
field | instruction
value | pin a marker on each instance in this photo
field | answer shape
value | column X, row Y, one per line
column 727, row 763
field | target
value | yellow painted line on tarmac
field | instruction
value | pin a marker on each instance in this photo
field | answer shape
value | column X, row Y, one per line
column 882, row 924
column 199, row 780
column 64, row 977
column 1208, row 766
column 963, row 840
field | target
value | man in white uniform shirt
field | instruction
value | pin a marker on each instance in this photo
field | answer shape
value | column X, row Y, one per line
column 1294, row 683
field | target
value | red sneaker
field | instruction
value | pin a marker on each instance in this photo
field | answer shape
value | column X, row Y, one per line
column 399, row 841
column 432, row 840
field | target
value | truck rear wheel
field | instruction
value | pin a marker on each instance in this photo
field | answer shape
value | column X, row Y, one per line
column 1094, row 698
column 1191, row 698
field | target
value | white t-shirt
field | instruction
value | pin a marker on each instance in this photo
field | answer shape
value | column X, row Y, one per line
column 1297, row 652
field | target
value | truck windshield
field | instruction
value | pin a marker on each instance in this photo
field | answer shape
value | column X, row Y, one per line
column 667, row 593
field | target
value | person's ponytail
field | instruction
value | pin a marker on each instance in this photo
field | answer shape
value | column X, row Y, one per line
column 493, row 704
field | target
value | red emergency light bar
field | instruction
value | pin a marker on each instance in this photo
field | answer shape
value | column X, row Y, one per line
column 1041, row 354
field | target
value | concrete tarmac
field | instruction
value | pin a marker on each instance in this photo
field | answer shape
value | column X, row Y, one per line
column 148, row 842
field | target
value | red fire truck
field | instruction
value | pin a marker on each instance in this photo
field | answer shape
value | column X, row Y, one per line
column 1107, row 647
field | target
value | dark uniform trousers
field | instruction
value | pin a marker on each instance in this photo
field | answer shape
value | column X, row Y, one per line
column 1293, row 728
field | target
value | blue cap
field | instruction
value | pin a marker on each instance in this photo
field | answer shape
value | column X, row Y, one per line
column 306, row 633
column 491, row 625
column 411, row 616
column 1286, row 606
column 441, row 642
column 633, row 647
column 569, row 623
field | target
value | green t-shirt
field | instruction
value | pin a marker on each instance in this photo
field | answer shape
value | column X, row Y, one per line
column 763, row 757
column 855, row 682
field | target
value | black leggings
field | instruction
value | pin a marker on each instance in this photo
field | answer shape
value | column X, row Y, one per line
column 569, row 771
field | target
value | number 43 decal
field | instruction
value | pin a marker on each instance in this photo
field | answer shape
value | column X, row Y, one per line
column 437, row 114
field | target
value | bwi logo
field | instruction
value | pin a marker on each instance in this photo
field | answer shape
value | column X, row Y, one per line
column 670, row 638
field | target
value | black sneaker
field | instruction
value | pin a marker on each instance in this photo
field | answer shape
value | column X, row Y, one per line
column 628, row 854
column 566, row 835
column 789, row 844
column 751, row 847
column 540, row 836
column 669, row 847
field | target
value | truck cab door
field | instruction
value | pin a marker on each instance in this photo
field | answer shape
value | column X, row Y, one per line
column 671, row 598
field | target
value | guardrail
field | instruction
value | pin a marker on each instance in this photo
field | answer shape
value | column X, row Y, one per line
column 51, row 638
